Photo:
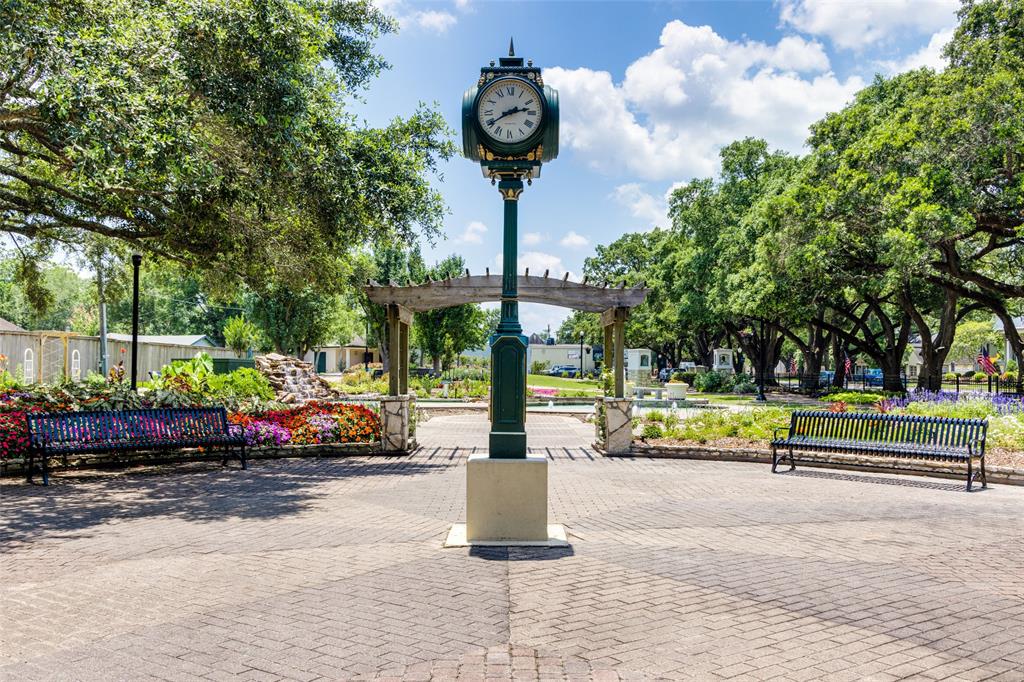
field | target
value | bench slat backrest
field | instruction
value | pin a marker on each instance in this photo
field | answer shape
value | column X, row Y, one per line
column 163, row 425
column 937, row 432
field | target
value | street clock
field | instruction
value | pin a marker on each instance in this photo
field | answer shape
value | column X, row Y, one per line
column 510, row 119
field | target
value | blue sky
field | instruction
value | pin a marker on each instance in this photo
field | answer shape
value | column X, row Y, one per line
column 649, row 92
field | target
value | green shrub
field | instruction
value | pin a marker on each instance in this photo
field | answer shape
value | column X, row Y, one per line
column 744, row 385
column 854, row 397
column 712, row 382
column 949, row 376
column 244, row 383
column 671, row 420
column 969, row 374
column 708, row 425
column 539, row 367
column 655, row 416
column 688, row 377
column 652, row 431
column 980, row 376
column 240, row 335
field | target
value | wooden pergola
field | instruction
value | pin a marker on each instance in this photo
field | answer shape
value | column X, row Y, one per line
column 611, row 301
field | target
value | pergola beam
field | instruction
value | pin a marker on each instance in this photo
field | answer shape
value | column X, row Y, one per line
column 481, row 288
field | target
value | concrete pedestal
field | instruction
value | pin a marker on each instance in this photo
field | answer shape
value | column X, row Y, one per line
column 506, row 504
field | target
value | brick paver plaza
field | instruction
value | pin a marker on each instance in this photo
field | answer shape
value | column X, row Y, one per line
column 310, row 569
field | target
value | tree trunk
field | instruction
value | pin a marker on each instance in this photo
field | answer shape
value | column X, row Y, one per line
column 436, row 360
column 839, row 355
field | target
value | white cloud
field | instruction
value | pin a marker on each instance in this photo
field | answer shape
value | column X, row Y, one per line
column 653, row 211
column 678, row 105
column 436, row 21
column 433, row 20
column 929, row 55
column 463, row 5
column 532, row 238
column 574, row 240
column 473, row 234
column 854, row 25
column 538, row 262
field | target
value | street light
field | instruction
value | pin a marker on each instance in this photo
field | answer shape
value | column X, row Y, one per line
column 136, row 262
column 581, row 355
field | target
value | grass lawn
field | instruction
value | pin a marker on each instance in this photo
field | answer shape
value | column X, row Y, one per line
column 544, row 381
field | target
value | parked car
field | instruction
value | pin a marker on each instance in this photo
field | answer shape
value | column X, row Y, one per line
column 667, row 374
column 571, row 371
column 873, row 377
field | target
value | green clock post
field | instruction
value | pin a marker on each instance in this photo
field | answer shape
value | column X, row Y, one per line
column 510, row 127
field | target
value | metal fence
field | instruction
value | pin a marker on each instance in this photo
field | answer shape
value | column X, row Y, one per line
column 957, row 384
column 49, row 357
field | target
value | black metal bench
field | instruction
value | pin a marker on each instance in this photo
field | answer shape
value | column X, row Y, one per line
column 927, row 438
column 60, row 434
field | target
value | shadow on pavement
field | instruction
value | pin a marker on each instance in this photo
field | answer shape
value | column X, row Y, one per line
column 71, row 505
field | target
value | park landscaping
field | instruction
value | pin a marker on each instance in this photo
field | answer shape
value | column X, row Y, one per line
column 753, row 427
column 245, row 393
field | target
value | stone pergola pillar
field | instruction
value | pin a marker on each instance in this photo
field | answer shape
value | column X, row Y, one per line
column 617, row 411
column 396, row 407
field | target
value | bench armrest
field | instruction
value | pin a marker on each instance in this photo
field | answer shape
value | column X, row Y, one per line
column 775, row 431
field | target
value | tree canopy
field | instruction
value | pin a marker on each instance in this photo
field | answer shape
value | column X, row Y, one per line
column 213, row 133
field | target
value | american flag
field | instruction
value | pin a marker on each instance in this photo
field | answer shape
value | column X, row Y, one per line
column 847, row 365
column 985, row 362
column 792, row 366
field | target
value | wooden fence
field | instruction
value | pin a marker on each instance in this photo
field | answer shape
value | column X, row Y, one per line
column 47, row 357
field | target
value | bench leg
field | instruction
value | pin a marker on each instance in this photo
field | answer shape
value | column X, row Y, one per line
column 792, row 462
column 970, row 471
column 242, row 457
column 775, row 459
column 981, row 464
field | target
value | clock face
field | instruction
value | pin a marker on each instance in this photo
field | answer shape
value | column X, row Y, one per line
column 509, row 111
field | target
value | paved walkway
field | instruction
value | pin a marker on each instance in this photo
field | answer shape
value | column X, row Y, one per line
column 333, row 569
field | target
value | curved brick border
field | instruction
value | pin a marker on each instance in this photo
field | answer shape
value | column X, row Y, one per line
column 996, row 474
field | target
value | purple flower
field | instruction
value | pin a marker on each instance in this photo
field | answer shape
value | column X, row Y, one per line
column 266, row 433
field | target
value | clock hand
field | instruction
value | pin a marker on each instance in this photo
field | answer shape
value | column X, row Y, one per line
column 513, row 110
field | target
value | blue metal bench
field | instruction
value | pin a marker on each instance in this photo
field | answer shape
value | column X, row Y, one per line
column 61, row 434
column 904, row 436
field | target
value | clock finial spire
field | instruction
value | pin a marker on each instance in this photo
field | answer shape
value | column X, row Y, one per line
column 511, row 48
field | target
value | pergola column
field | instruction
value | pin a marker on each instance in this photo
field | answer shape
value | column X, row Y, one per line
column 614, row 322
column 395, row 407
column 403, row 352
column 394, row 350
column 609, row 351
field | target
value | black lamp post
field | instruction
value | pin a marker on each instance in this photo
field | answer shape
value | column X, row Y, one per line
column 581, row 355
column 136, row 262
column 366, row 348
column 760, row 366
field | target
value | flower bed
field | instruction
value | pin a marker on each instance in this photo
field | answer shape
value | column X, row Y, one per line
column 314, row 423
column 311, row 424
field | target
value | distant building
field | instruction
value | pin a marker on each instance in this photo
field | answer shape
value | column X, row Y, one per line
column 1018, row 323
column 560, row 354
column 336, row 358
column 6, row 326
column 201, row 340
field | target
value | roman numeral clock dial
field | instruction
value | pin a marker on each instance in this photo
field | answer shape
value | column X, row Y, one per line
column 509, row 111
